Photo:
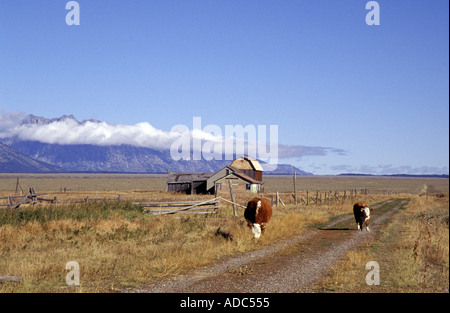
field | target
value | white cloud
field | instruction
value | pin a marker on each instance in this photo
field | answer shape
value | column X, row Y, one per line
column 68, row 131
column 9, row 122
column 287, row 151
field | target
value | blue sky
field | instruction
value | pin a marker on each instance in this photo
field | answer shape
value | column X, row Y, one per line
column 356, row 98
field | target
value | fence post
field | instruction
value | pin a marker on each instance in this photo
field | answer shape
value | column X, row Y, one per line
column 33, row 195
column 295, row 188
column 17, row 186
column 232, row 197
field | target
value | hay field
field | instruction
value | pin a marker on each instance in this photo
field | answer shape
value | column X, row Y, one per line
column 118, row 246
column 80, row 182
column 412, row 252
column 374, row 184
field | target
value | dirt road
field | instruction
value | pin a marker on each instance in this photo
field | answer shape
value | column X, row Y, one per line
column 292, row 265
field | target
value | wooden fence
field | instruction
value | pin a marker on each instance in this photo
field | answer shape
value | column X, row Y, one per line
column 312, row 197
column 30, row 197
column 34, row 198
column 203, row 207
column 181, row 207
column 186, row 207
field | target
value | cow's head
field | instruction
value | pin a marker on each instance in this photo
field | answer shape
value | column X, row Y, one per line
column 256, row 230
column 366, row 212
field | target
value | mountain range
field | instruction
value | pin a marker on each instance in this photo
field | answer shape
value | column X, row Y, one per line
column 12, row 161
column 19, row 155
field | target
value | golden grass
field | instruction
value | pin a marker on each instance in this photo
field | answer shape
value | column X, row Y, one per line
column 118, row 246
column 92, row 182
column 82, row 182
column 413, row 253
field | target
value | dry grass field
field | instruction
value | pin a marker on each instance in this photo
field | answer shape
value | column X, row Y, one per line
column 412, row 252
column 119, row 246
column 81, row 182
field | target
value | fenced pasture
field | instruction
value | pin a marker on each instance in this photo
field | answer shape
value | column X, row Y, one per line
column 181, row 207
column 82, row 182
column 90, row 182
column 279, row 189
column 374, row 184
column 118, row 245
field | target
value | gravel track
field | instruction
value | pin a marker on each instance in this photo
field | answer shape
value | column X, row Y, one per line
column 291, row 265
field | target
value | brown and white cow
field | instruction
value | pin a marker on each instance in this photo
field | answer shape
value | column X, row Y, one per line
column 258, row 214
column 362, row 215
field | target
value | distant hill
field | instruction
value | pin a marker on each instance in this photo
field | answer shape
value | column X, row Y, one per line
column 12, row 161
column 282, row 169
column 125, row 159
column 400, row 175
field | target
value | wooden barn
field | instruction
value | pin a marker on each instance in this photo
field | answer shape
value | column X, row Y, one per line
column 249, row 167
column 244, row 173
column 190, row 183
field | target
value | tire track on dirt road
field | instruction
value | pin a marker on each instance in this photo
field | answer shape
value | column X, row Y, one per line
column 292, row 265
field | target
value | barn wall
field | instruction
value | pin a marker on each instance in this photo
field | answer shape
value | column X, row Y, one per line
column 223, row 188
column 256, row 175
column 239, row 185
column 199, row 187
column 196, row 187
column 249, row 173
column 179, row 187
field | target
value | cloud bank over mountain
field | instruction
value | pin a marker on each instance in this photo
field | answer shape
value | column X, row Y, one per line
column 63, row 138
column 67, row 130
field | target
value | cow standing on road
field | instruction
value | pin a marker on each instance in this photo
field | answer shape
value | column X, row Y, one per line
column 362, row 215
column 257, row 215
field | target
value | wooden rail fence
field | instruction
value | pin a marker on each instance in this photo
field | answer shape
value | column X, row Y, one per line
column 30, row 197
column 34, row 198
column 309, row 198
column 200, row 207
column 181, row 207
column 186, row 207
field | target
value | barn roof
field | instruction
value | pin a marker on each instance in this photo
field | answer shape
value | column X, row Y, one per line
column 246, row 162
column 178, row 178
